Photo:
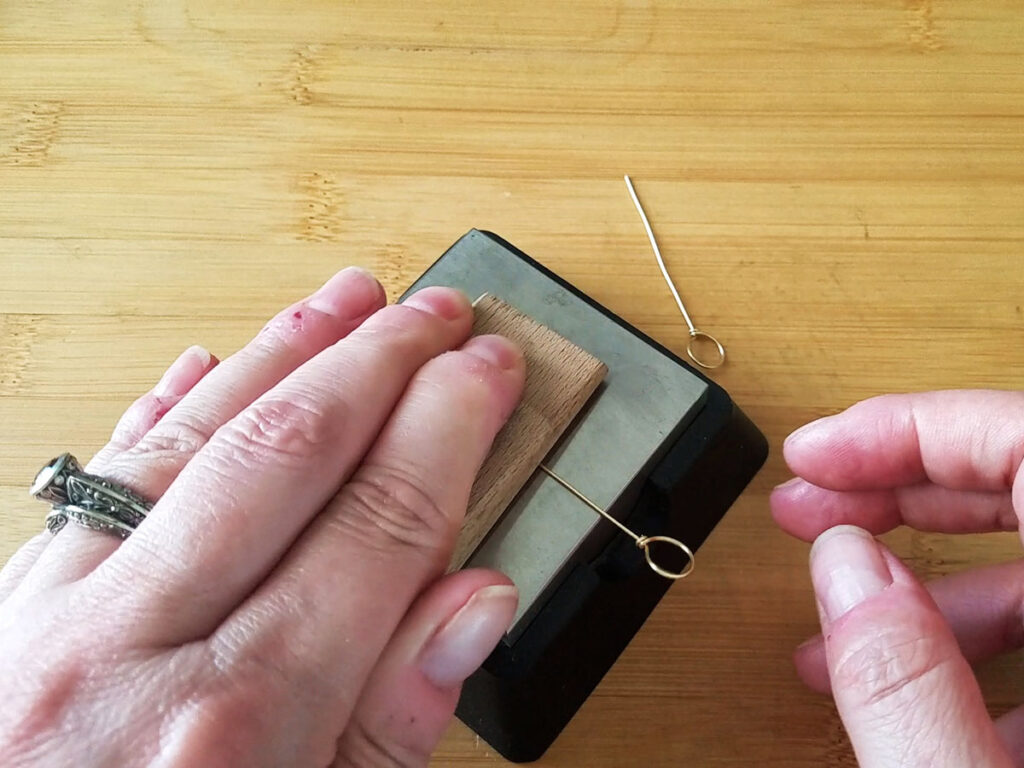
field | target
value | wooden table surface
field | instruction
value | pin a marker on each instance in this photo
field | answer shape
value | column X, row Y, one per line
column 838, row 189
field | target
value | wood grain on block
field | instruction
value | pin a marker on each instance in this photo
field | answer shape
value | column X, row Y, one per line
column 560, row 378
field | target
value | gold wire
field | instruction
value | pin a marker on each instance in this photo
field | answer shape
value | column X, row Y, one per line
column 579, row 495
column 695, row 333
column 642, row 542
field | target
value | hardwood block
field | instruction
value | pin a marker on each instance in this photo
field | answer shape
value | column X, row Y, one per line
column 560, row 378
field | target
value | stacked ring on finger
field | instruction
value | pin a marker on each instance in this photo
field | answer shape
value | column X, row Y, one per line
column 87, row 500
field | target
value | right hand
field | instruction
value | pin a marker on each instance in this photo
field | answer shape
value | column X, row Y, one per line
column 894, row 653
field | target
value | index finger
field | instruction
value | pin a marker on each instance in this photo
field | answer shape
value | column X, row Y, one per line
column 962, row 439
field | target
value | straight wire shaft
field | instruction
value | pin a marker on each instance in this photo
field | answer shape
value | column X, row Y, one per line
column 696, row 335
column 579, row 495
column 657, row 255
column 642, row 542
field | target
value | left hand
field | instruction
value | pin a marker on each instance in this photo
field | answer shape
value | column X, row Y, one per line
column 284, row 601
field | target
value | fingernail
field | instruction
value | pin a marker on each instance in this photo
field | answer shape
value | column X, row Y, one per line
column 443, row 302
column 791, row 483
column 350, row 294
column 183, row 373
column 459, row 647
column 496, row 350
column 810, row 643
column 816, row 428
column 847, row 568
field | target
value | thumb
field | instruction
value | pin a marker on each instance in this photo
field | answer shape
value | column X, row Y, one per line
column 904, row 691
column 409, row 699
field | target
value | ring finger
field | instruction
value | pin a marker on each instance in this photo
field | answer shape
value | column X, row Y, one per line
column 151, row 464
column 182, row 375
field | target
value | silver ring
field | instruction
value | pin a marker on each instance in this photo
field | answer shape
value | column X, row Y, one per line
column 88, row 500
column 94, row 521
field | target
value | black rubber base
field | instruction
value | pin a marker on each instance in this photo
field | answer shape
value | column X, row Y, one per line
column 527, row 692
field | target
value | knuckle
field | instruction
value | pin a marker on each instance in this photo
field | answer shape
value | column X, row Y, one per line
column 176, row 440
column 472, row 371
column 892, row 667
column 287, row 328
column 360, row 747
column 256, row 669
column 461, row 383
column 476, row 382
column 137, row 417
column 198, row 724
column 290, row 431
column 398, row 328
column 262, row 643
column 41, row 699
column 161, row 452
column 45, row 696
column 389, row 509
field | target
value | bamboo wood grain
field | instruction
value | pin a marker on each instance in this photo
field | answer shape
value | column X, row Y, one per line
column 560, row 378
column 835, row 185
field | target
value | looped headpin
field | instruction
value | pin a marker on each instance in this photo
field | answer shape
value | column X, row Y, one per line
column 695, row 336
column 642, row 542
column 695, row 333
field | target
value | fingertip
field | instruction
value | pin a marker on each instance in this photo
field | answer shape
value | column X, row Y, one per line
column 467, row 637
column 791, row 484
column 351, row 294
column 201, row 354
column 480, row 383
column 442, row 600
column 496, row 350
column 788, row 494
column 1017, row 491
column 811, row 664
column 847, row 569
column 454, row 589
column 477, row 578
column 184, row 373
column 805, row 510
column 805, row 434
column 784, row 504
column 824, row 452
column 447, row 303
column 849, row 535
column 799, row 509
column 804, row 451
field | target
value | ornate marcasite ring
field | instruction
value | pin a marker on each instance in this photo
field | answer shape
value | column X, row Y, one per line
column 96, row 521
column 89, row 500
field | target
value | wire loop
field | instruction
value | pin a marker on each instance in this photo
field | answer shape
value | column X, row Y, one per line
column 697, row 335
column 644, row 543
